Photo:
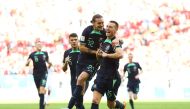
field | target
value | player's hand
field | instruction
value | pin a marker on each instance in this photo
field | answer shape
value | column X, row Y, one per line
column 121, row 42
column 137, row 77
column 104, row 54
column 49, row 65
column 68, row 60
column 99, row 53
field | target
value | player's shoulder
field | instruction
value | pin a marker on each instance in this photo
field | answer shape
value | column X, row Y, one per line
column 88, row 28
column 45, row 52
column 136, row 63
column 32, row 53
column 126, row 64
column 67, row 52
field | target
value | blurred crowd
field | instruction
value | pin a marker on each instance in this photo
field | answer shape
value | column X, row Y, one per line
column 158, row 33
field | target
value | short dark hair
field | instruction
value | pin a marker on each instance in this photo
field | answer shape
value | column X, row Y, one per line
column 95, row 17
column 73, row 35
column 116, row 24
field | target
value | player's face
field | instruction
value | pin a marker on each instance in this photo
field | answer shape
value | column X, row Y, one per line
column 74, row 42
column 98, row 24
column 130, row 57
column 38, row 46
column 111, row 30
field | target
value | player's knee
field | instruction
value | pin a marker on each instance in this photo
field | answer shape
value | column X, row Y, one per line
column 42, row 90
column 95, row 101
column 110, row 104
column 82, row 78
column 135, row 97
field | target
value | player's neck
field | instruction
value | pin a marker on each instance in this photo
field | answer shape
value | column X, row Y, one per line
column 111, row 37
column 75, row 48
column 130, row 61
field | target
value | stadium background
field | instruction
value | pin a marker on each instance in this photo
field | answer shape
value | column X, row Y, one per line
column 156, row 31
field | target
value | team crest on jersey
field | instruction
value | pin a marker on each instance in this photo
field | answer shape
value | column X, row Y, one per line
column 107, row 48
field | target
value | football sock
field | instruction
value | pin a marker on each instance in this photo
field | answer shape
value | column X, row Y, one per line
column 94, row 106
column 119, row 105
column 131, row 103
column 41, row 101
column 79, row 102
column 75, row 97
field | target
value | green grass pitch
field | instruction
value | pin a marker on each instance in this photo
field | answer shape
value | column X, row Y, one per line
column 138, row 105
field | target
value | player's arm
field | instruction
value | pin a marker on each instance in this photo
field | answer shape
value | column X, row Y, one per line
column 84, row 49
column 28, row 62
column 64, row 67
column 140, row 71
column 49, row 64
column 65, row 63
column 140, row 68
column 98, row 54
column 66, row 60
column 125, row 74
column 118, row 51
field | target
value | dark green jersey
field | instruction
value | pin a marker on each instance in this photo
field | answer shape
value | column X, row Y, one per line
column 73, row 54
column 39, row 59
column 133, row 70
column 91, row 39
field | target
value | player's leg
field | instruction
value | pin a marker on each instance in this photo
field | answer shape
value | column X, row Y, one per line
column 135, row 91
column 75, row 93
column 135, row 96
column 130, row 93
column 112, row 103
column 117, row 103
column 37, row 83
column 99, row 88
column 81, row 82
column 112, row 93
column 73, row 86
column 96, row 100
column 42, row 90
column 78, row 95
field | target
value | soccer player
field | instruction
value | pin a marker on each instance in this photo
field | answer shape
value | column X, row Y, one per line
column 87, row 65
column 134, row 70
column 40, row 59
column 70, row 58
column 108, row 78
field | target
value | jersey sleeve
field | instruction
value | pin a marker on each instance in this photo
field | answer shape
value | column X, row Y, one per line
column 47, row 56
column 84, row 35
column 138, row 65
column 30, row 56
column 116, row 44
column 64, row 56
column 125, row 68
